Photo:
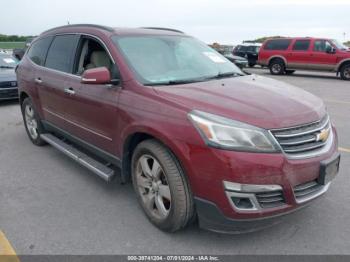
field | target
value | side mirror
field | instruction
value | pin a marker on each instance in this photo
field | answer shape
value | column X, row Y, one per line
column 331, row 50
column 96, row 76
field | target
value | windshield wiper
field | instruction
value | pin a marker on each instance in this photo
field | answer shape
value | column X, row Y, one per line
column 224, row 75
column 194, row 80
column 176, row 82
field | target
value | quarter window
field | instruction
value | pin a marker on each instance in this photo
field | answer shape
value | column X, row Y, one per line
column 38, row 50
column 301, row 45
column 62, row 52
column 278, row 44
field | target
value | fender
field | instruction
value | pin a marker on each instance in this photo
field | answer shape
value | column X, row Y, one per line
column 338, row 66
column 277, row 56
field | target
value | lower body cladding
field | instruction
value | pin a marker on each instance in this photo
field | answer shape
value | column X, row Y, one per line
column 239, row 192
column 8, row 93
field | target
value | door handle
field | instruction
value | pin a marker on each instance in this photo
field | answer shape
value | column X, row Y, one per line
column 69, row 91
column 38, row 80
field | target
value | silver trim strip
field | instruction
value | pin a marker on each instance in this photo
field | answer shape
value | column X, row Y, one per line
column 250, row 188
column 8, row 88
column 80, row 126
column 305, row 132
column 80, row 160
column 312, row 196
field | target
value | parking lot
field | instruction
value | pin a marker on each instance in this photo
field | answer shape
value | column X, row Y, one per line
column 50, row 205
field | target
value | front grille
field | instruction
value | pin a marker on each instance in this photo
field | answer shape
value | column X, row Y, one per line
column 307, row 190
column 8, row 84
column 270, row 199
column 12, row 93
column 303, row 139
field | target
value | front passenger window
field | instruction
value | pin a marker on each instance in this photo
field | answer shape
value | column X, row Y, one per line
column 93, row 55
column 322, row 45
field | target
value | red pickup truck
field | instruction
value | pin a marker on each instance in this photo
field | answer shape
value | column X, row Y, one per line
column 285, row 55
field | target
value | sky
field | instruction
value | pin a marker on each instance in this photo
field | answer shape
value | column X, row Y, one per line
column 223, row 21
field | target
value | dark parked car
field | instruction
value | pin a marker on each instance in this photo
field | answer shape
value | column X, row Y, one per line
column 248, row 51
column 8, row 82
column 194, row 134
column 19, row 52
column 239, row 61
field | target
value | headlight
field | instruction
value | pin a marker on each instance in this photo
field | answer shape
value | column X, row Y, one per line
column 228, row 134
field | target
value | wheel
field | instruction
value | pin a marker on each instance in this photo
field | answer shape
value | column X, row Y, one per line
column 277, row 67
column 161, row 186
column 32, row 122
column 345, row 72
column 251, row 64
column 289, row 72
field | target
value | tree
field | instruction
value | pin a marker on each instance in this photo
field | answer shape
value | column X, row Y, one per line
column 262, row 39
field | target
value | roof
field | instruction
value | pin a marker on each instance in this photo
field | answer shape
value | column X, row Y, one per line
column 116, row 30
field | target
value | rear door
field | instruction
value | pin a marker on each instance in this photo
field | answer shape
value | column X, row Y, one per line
column 300, row 56
column 53, row 77
column 320, row 58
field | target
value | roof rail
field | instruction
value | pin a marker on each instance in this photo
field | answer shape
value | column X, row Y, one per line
column 164, row 28
column 107, row 28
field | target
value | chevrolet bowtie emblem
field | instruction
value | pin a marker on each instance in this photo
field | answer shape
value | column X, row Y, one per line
column 323, row 135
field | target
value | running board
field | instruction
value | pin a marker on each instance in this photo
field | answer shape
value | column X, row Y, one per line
column 93, row 165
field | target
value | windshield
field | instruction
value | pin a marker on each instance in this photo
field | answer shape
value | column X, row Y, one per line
column 7, row 61
column 173, row 59
column 339, row 45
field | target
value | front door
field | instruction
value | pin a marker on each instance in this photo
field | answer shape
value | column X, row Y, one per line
column 321, row 58
column 91, row 112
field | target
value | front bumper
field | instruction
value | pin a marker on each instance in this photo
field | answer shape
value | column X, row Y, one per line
column 209, row 168
column 8, row 93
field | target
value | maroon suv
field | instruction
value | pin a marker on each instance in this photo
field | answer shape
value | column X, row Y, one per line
column 195, row 135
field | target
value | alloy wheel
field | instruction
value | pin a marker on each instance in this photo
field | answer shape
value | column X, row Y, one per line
column 31, row 123
column 153, row 186
column 276, row 68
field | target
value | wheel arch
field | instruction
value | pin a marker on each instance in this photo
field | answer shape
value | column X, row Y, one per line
column 132, row 139
column 342, row 63
column 23, row 95
column 277, row 57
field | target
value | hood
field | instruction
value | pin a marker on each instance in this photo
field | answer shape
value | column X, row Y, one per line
column 252, row 99
column 7, row 75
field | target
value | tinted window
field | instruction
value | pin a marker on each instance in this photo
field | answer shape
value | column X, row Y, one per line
column 322, row 45
column 242, row 48
column 38, row 50
column 278, row 44
column 61, row 53
column 301, row 45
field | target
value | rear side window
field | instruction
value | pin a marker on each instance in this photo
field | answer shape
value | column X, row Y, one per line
column 278, row 44
column 38, row 50
column 242, row 48
column 301, row 45
column 62, row 52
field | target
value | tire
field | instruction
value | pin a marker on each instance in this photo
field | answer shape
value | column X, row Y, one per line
column 251, row 65
column 277, row 67
column 32, row 122
column 161, row 186
column 290, row 72
column 345, row 72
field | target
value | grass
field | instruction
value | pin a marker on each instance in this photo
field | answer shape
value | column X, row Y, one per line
column 11, row 45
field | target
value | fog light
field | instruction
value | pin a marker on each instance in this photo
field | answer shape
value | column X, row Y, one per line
column 242, row 203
